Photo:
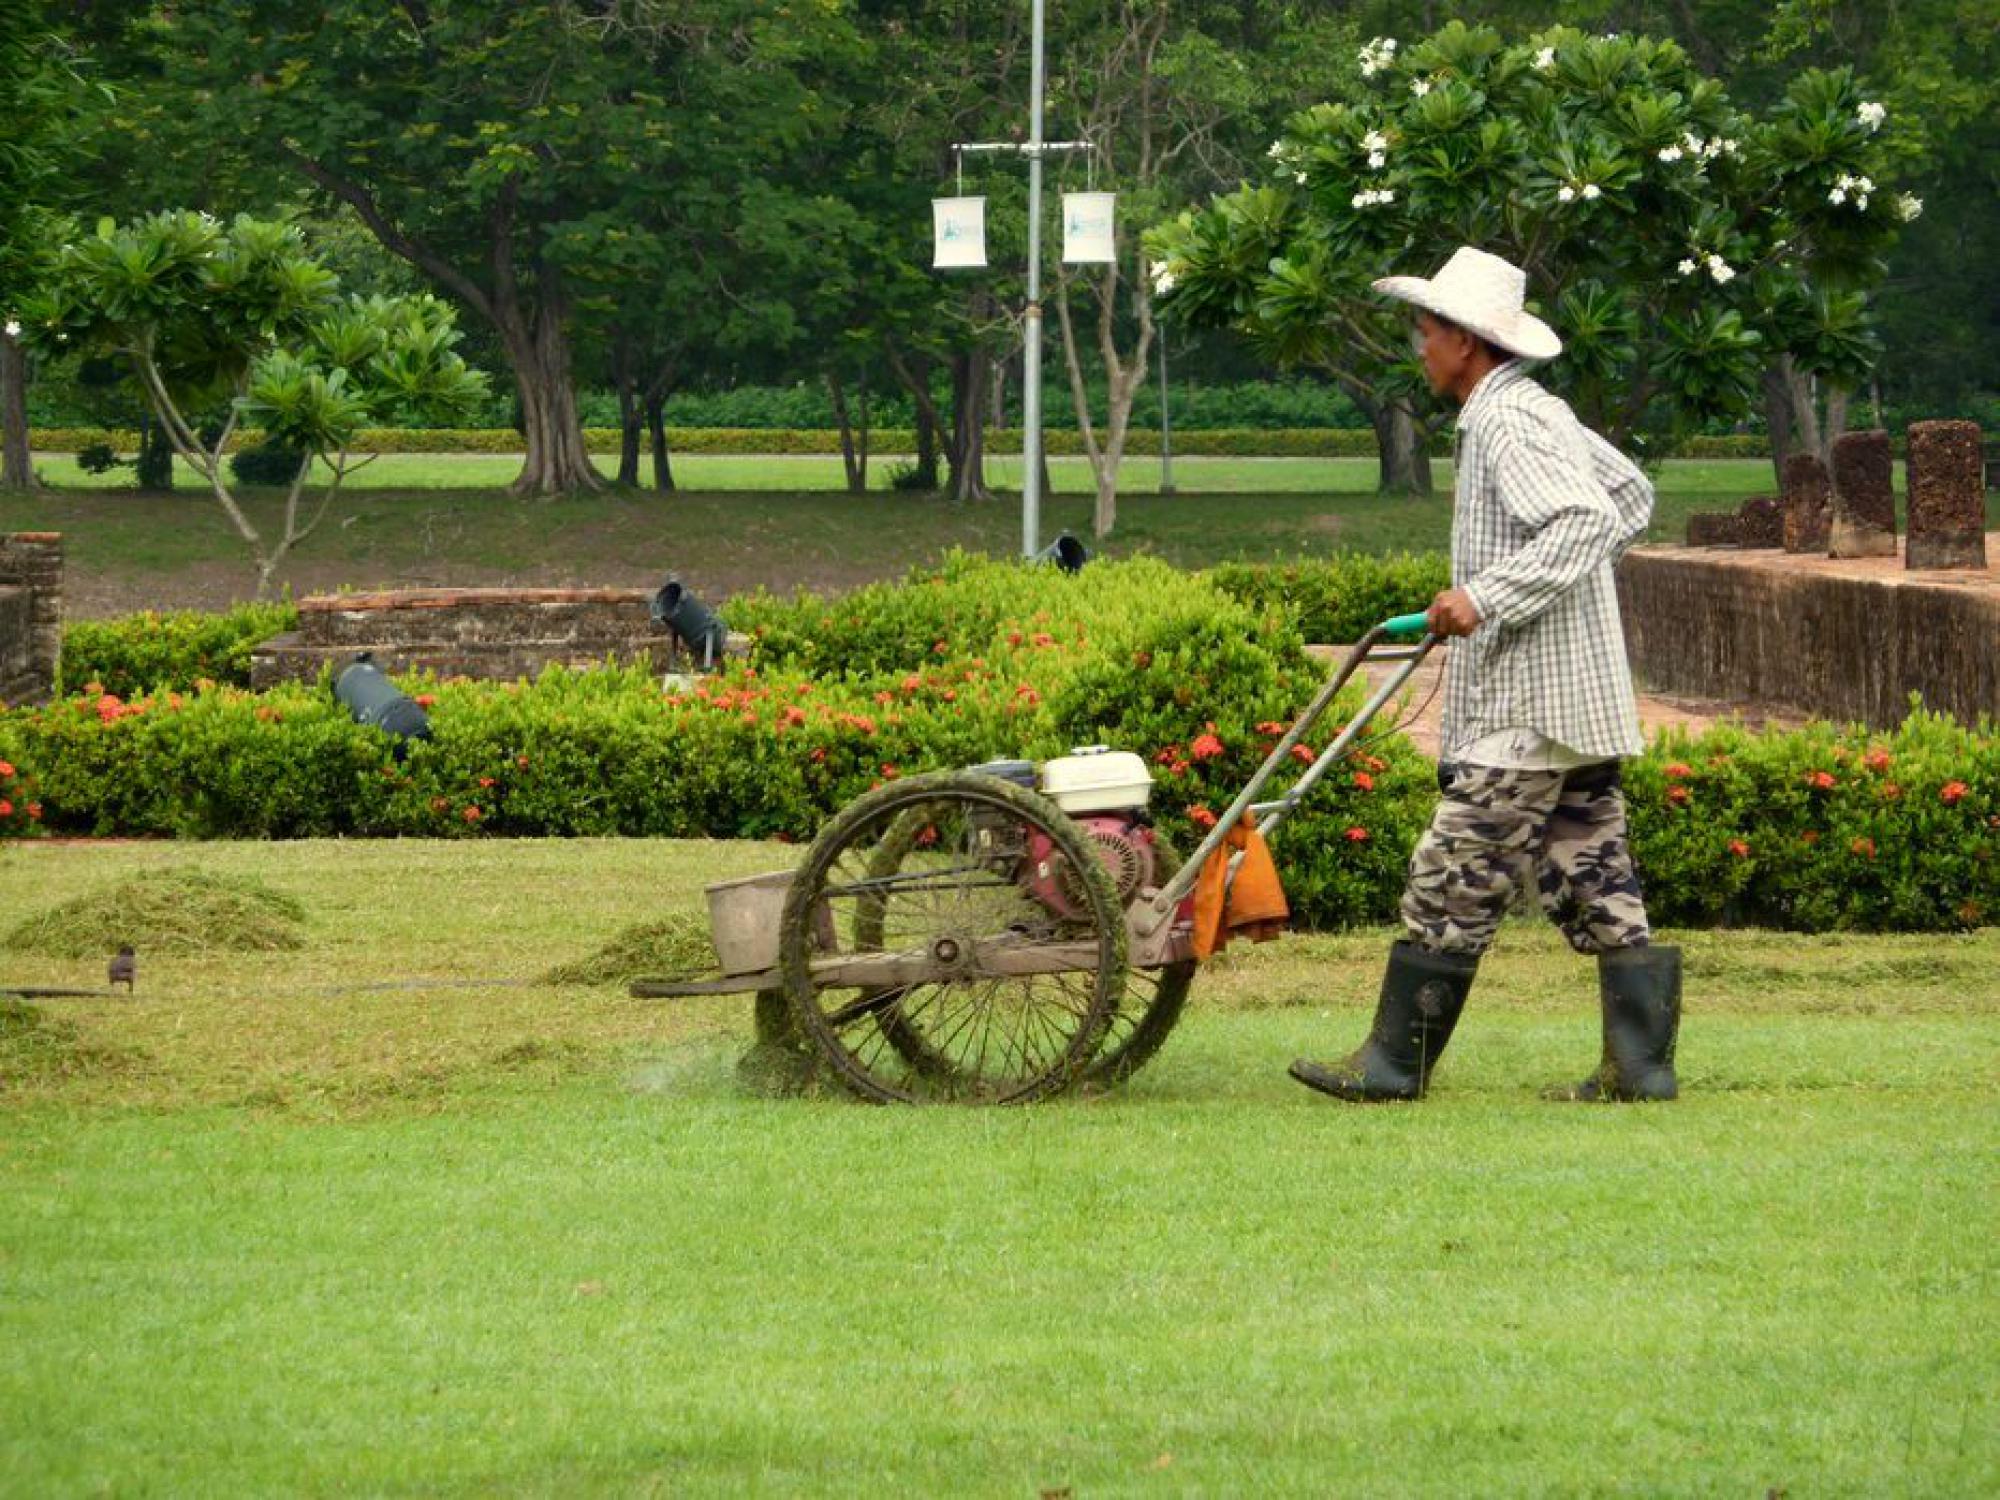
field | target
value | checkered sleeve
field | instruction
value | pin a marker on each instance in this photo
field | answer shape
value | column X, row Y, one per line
column 1545, row 478
column 1631, row 492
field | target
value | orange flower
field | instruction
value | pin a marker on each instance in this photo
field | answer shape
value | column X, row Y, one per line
column 1952, row 791
column 1205, row 747
column 1200, row 816
column 1738, row 848
column 6, row 808
column 425, row 700
column 1303, row 754
column 486, row 781
column 912, row 683
column 1864, row 847
column 1876, row 760
column 1677, row 795
column 34, row 812
column 6, row 768
column 1272, row 728
column 1356, row 835
column 472, row 814
column 1679, row 771
column 1820, row 780
column 889, row 772
column 1810, row 836
column 1363, row 780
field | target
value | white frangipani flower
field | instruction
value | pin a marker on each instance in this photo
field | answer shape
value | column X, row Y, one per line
column 1720, row 270
column 1374, row 141
column 1369, row 197
column 1592, row 190
column 1565, row 193
column 1376, row 159
column 13, row 328
column 1420, row 86
column 1299, row 178
column 1670, row 153
column 1545, row 59
column 1380, row 53
column 1909, row 205
column 1836, row 195
column 1872, row 115
column 1688, row 267
column 1277, row 150
column 1163, row 278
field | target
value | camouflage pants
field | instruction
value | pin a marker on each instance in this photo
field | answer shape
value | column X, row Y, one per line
column 1497, row 825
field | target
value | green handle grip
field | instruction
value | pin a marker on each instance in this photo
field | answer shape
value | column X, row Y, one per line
column 1406, row 624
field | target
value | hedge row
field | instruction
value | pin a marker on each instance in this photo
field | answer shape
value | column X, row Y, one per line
column 1823, row 828
column 1244, row 442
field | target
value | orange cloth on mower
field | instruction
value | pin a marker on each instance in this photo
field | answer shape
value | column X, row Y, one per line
column 1251, row 906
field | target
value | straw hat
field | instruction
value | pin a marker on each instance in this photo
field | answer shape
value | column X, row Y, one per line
column 1483, row 293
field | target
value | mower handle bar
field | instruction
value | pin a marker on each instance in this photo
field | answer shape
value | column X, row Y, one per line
column 1147, row 916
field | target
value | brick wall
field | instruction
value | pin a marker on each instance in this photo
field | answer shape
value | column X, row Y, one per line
column 31, row 565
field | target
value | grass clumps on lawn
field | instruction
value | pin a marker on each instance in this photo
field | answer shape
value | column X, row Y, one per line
column 34, row 1048
column 675, row 948
column 181, row 910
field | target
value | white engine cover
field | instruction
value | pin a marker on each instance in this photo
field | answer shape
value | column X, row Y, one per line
column 1096, row 778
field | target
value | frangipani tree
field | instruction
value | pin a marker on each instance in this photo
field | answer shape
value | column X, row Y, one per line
column 241, row 318
column 1676, row 243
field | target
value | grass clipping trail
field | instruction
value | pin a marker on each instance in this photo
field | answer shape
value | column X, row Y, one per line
column 677, row 948
column 180, row 910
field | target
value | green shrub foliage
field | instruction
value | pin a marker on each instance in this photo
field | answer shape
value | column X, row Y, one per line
column 152, row 652
column 1820, row 829
column 1338, row 598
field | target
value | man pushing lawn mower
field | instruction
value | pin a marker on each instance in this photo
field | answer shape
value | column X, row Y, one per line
column 1538, row 708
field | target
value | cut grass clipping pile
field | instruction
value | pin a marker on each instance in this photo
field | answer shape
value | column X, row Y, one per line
column 179, row 910
column 676, row 948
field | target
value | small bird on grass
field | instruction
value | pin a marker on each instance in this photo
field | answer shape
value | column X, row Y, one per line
column 124, row 968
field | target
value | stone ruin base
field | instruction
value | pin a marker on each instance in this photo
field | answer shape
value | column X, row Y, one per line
column 490, row 634
column 1843, row 639
column 31, row 573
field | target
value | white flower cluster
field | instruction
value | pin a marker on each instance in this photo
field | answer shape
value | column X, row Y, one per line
column 1846, row 187
column 1380, row 53
column 13, row 328
column 1569, row 193
column 1909, row 205
column 1697, row 149
column 1545, row 60
column 1164, row 279
column 1376, row 145
column 1718, row 269
column 1420, row 86
column 1872, row 115
column 1369, row 197
column 1277, row 151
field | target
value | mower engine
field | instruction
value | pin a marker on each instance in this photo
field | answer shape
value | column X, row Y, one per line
column 1106, row 791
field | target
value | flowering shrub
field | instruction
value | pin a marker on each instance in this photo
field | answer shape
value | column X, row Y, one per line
column 1338, row 598
column 144, row 652
column 1822, row 828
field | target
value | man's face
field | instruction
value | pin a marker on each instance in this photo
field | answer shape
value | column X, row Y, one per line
column 1445, row 349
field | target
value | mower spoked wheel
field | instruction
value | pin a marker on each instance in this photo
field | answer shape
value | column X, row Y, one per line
column 922, row 958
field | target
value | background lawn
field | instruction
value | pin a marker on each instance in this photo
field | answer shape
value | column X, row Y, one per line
column 126, row 552
column 385, row 1215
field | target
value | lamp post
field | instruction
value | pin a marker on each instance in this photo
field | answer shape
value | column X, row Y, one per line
column 1034, row 148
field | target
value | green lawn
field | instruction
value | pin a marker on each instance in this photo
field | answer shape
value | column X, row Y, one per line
column 342, row 1221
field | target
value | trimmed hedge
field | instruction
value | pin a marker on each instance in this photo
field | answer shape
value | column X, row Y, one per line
column 1820, row 829
column 1240, row 442
column 1338, row 598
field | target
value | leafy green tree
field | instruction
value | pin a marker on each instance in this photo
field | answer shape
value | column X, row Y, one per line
column 1674, row 240
column 241, row 318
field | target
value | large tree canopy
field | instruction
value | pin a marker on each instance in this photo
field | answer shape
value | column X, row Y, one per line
column 1675, row 240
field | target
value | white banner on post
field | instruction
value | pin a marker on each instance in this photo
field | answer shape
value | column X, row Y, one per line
column 1087, row 228
column 958, row 232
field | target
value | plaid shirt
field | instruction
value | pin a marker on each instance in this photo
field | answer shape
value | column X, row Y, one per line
column 1543, row 509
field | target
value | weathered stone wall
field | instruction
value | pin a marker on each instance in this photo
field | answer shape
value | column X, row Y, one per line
column 1842, row 640
column 491, row 634
column 31, row 567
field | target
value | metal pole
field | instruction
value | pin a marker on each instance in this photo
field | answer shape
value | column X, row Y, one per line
column 1031, row 375
column 1166, row 426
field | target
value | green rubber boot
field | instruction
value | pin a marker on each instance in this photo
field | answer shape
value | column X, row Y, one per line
column 1422, row 995
column 1640, row 992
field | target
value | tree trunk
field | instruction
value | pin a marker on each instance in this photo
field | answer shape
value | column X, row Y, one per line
column 557, row 462
column 656, row 425
column 155, row 466
column 853, row 456
column 967, row 454
column 926, row 476
column 1402, row 448
column 17, row 464
column 1778, row 419
column 630, row 418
